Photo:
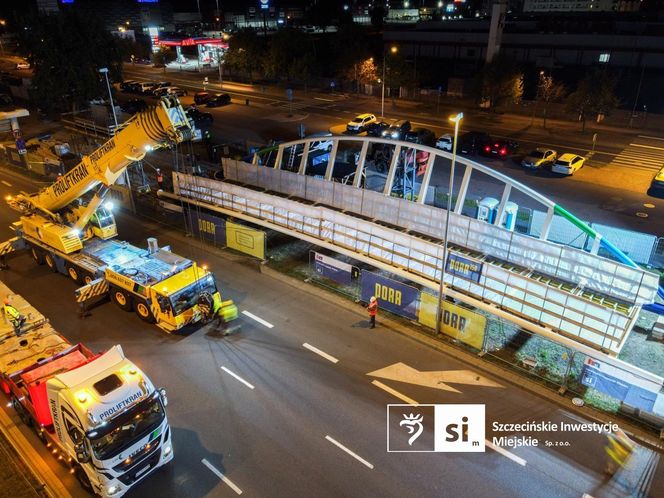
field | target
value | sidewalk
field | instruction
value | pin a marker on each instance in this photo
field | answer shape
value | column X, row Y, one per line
column 16, row 480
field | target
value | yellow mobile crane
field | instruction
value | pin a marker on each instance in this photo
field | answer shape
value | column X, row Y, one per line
column 75, row 238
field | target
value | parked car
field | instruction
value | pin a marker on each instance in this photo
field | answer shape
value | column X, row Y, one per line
column 568, row 164
column 472, row 142
column 201, row 98
column 422, row 136
column 657, row 184
column 500, row 148
column 125, row 86
column 376, row 129
column 177, row 91
column 134, row 105
column 5, row 98
column 160, row 91
column 134, row 87
column 445, row 142
column 397, row 130
column 146, row 88
column 539, row 158
column 218, row 100
column 97, row 101
column 23, row 65
column 199, row 118
column 360, row 123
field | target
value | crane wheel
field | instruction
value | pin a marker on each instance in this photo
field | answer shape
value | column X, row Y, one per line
column 144, row 312
column 50, row 262
column 121, row 298
column 73, row 274
column 82, row 478
column 37, row 255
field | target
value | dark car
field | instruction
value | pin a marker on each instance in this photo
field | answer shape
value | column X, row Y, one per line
column 134, row 105
column 422, row 136
column 126, row 85
column 398, row 129
column 500, row 148
column 376, row 129
column 219, row 99
column 199, row 118
column 473, row 142
column 134, row 87
column 202, row 98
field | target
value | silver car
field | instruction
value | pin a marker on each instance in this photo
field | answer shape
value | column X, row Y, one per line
column 539, row 158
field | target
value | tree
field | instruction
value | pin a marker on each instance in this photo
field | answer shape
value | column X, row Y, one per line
column 595, row 94
column 290, row 53
column 350, row 48
column 66, row 50
column 549, row 91
column 245, row 52
column 500, row 81
column 163, row 57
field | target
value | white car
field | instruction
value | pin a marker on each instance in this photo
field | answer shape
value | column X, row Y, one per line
column 23, row 65
column 568, row 164
column 445, row 142
column 360, row 122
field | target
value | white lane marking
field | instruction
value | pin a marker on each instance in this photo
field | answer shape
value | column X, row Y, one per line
column 237, row 377
column 646, row 146
column 354, row 455
column 653, row 138
column 258, row 319
column 320, row 353
column 505, row 453
column 394, row 392
column 6, row 183
column 221, row 476
column 326, row 100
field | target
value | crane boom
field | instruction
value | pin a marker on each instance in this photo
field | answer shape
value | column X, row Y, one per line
column 156, row 127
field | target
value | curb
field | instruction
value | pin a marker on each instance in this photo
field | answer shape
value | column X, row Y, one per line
column 51, row 484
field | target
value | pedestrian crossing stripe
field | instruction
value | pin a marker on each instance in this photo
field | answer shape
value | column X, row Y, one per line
column 640, row 156
column 95, row 288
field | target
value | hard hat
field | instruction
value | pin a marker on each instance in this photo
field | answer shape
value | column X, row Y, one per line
column 6, row 301
column 373, row 298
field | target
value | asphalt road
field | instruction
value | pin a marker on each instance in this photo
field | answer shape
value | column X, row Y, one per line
column 610, row 189
column 276, row 418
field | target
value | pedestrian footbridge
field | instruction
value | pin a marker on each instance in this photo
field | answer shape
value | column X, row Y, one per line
column 383, row 202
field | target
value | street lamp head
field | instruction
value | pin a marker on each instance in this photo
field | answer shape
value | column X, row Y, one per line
column 457, row 118
column 394, row 49
column 103, row 70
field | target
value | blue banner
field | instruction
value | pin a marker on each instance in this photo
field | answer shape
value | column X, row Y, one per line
column 332, row 268
column 393, row 296
column 208, row 227
column 620, row 389
column 463, row 267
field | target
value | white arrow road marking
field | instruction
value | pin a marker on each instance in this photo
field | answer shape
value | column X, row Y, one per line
column 394, row 392
column 434, row 379
column 6, row 183
column 320, row 353
column 237, row 377
column 221, row 476
column 258, row 319
column 354, row 455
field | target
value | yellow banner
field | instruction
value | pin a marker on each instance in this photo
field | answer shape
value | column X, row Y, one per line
column 458, row 322
column 245, row 239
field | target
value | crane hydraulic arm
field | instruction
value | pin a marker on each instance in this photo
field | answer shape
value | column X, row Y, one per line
column 156, row 127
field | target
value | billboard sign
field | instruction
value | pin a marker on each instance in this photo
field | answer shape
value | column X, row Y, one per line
column 464, row 267
column 394, row 296
column 332, row 268
column 208, row 227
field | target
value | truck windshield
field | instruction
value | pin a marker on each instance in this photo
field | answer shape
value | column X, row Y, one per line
column 127, row 428
column 188, row 297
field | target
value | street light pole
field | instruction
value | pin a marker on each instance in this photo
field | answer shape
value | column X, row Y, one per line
column 104, row 71
column 393, row 49
column 439, row 314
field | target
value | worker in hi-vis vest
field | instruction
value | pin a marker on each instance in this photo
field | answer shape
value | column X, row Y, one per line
column 13, row 316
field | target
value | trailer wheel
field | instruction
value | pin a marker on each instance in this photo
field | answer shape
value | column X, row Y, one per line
column 37, row 255
column 121, row 298
column 50, row 262
column 87, row 279
column 82, row 477
column 144, row 312
column 27, row 420
column 73, row 273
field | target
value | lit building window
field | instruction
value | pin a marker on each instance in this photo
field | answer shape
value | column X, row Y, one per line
column 604, row 57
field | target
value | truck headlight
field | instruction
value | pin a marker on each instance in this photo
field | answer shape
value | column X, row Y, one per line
column 112, row 490
column 167, row 449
